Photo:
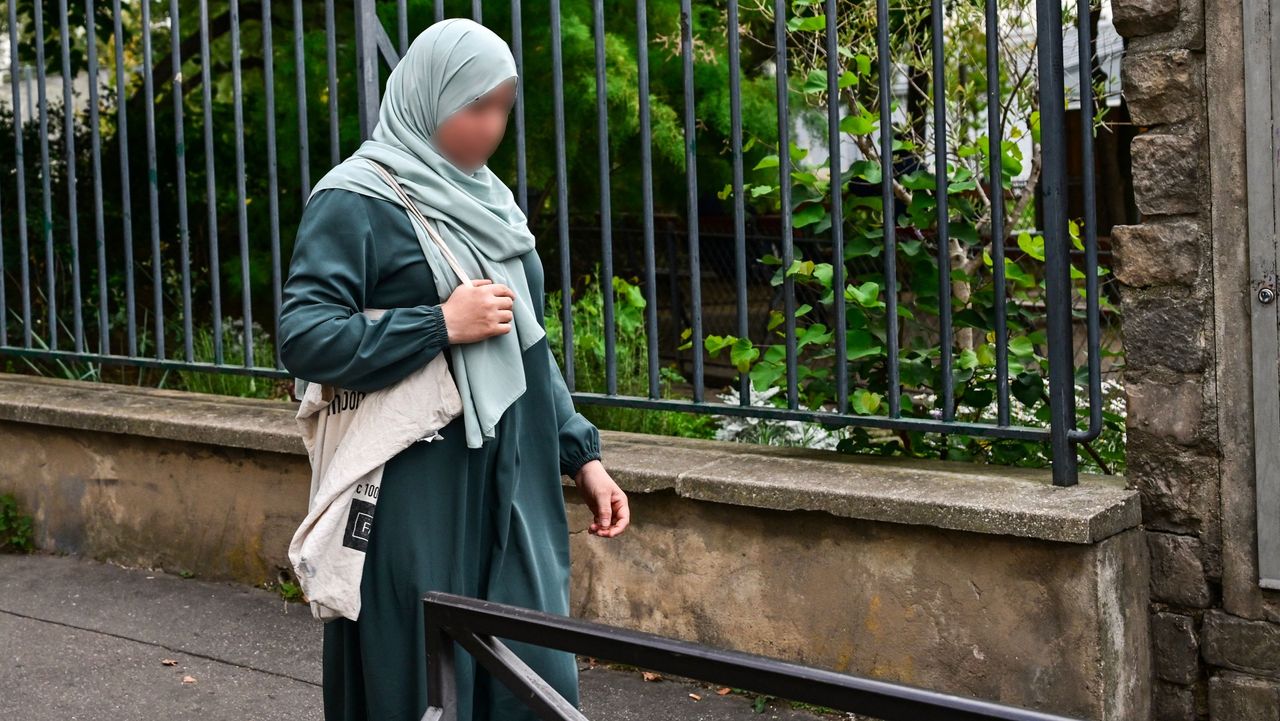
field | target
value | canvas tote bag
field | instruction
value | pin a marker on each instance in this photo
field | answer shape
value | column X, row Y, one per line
column 349, row 436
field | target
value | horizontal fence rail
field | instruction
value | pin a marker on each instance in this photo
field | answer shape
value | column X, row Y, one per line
column 167, row 152
column 477, row 626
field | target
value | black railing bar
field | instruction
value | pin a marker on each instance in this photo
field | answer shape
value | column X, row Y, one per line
column 606, row 223
column 889, row 208
column 402, row 25
column 761, row 674
column 691, row 196
column 126, row 201
column 242, row 217
column 99, row 219
column 153, row 185
column 476, row 11
column 562, row 193
column 1058, row 286
column 273, row 179
column 995, row 151
column 20, row 170
column 646, row 195
column 784, row 194
column 300, row 93
column 522, row 161
column 947, row 379
column 180, row 151
column 1084, row 11
column 46, row 221
column 739, row 201
column 389, row 53
column 837, row 206
column 210, row 185
column 439, row 10
column 525, row 683
column 331, row 59
column 69, row 148
column 901, row 423
column 145, row 362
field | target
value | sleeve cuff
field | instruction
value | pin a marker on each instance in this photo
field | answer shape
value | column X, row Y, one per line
column 437, row 335
column 579, row 444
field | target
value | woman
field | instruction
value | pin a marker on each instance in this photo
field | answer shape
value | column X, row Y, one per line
column 480, row 511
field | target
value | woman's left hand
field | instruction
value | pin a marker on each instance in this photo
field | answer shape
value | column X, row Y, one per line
column 606, row 500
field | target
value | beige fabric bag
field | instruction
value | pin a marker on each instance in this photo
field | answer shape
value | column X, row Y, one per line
column 349, row 436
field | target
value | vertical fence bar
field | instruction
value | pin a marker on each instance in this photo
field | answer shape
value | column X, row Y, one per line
column 69, row 148
column 517, row 50
column 606, row 216
column 646, row 192
column 273, row 182
column 153, row 183
column 126, row 200
column 46, row 221
column 95, row 148
column 1084, row 11
column 402, row 24
column 784, row 193
column 837, row 206
column 300, row 91
column 242, row 217
column 739, row 202
column 995, row 135
column 888, row 201
column 20, row 165
column 476, row 13
column 367, row 65
column 1056, row 240
column 180, row 150
column 210, row 184
column 332, row 60
column 439, row 14
column 945, row 376
column 691, row 175
column 562, row 190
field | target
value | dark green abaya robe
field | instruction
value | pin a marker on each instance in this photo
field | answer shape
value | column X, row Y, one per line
column 487, row 522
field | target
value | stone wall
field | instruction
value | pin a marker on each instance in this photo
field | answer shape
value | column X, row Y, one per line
column 1184, row 287
column 975, row 580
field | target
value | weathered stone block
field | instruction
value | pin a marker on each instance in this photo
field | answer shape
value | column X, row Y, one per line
column 1165, row 407
column 1239, row 697
column 1240, row 644
column 1163, row 87
column 1177, row 572
column 1143, row 17
column 1174, row 702
column 1177, row 649
column 1167, row 173
column 1163, row 328
column 1178, row 487
column 1157, row 253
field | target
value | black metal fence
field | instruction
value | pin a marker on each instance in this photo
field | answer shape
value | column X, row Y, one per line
column 141, row 181
column 477, row 626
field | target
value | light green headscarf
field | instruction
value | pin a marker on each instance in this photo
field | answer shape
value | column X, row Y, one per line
column 449, row 65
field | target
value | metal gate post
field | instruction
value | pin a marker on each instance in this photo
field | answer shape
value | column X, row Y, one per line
column 1053, row 183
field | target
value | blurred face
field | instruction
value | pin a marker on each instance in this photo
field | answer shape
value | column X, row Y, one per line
column 469, row 136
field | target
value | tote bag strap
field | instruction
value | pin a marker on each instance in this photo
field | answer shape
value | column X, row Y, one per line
column 415, row 212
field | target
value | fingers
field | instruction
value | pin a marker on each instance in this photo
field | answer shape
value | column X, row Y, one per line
column 604, row 510
column 481, row 281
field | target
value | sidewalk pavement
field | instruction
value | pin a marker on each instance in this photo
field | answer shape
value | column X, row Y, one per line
column 82, row 640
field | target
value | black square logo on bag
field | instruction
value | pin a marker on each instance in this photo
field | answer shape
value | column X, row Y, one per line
column 359, row 525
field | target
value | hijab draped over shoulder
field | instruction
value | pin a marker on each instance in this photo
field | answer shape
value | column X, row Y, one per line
column 450, row 64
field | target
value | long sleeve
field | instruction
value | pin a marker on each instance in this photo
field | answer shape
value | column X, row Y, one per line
column 579, row 438
column 324, row 338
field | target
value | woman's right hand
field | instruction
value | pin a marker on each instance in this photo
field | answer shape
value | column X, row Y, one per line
column 478, row 311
